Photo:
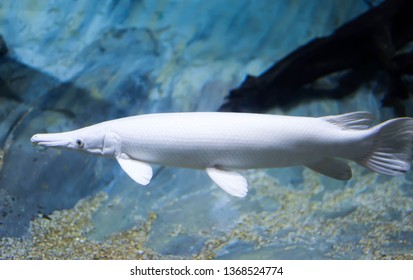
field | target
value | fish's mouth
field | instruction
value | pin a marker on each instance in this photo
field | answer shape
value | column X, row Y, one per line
column 49, row 140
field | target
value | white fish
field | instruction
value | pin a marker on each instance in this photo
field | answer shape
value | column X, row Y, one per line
column 223, row 142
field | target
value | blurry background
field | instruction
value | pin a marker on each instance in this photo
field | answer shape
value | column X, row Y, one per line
column 75, row 63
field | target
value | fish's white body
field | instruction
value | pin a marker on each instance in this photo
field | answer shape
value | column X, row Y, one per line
column 223, row 142
column 231, row 140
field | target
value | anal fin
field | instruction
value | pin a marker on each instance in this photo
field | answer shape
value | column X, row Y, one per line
column 332, row 167
column 230, row 181
column 139, row 171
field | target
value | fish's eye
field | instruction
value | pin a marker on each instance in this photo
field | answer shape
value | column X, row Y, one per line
column 79, row 142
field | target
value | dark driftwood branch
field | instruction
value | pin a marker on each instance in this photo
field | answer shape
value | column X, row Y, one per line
column 3, row 46
column 363, row 46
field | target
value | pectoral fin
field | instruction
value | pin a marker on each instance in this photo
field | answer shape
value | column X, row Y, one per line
column 332, row 167
column 230, row 181
column 140, row 172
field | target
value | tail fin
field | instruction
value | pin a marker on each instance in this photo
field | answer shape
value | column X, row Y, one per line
column 391, row 152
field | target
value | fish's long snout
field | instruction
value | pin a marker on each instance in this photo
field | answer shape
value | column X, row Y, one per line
column 49, row 140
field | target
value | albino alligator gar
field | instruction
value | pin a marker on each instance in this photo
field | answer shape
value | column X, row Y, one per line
column 223, row 142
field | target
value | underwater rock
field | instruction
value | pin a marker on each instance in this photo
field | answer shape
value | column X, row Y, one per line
column 43, row 103
column 62, row 235
column 301, row 228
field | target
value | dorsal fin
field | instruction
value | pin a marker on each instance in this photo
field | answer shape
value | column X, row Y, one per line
column 354, row 120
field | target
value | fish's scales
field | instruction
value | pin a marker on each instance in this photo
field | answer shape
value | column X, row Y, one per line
column 229, row 140
column 219, row 142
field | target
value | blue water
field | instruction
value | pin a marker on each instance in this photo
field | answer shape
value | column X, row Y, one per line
column 72, row 64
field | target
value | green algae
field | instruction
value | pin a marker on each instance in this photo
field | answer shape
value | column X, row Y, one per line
column 368, row 218
column 329, row 227
column 64, row 236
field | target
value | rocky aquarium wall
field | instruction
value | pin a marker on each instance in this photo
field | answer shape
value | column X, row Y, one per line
column 69, row 64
